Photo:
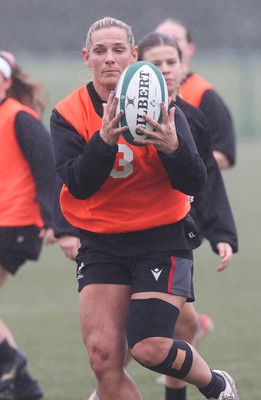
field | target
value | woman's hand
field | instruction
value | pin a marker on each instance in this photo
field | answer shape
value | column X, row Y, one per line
column 225, row 253
column 110, row 130
column 70, row 245
column 164, row 136
column 47, row 234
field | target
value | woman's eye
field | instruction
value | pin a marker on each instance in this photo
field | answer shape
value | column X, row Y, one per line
column 98, row 51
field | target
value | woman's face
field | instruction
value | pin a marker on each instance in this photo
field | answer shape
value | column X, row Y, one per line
column 109, row 54
column 166, row 58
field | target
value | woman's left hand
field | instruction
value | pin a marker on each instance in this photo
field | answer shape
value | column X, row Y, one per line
column 225, row 253
column 47, row 234
column 164, row 136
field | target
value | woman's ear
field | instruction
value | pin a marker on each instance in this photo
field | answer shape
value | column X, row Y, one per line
column 191, row 49
column 8, row 83
column 85, row 56
column 134, row 54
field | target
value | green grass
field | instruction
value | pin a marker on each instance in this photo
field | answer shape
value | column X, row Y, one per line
column 40, row 306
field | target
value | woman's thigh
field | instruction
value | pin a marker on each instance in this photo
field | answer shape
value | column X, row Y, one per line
column 103, row 310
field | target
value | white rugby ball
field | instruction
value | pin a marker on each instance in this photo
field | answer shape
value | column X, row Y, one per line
column 140, row 90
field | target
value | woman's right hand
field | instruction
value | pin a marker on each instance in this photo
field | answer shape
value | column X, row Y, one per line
column 110, row 130
column 70, row 245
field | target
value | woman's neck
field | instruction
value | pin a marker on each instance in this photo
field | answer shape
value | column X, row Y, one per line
column 102, row 91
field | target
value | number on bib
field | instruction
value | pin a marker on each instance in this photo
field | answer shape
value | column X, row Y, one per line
column 123, row 167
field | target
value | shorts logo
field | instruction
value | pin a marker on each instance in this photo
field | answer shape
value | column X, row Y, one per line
column 156, row 273
column 20, row 239
column 191, row 235
column 79, row 274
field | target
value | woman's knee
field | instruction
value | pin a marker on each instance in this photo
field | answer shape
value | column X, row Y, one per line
column 150, row 329
column 102, row 358
column 105, row 353
column 151, row 351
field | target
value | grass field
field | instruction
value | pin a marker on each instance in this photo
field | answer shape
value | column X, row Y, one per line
column 40, row 305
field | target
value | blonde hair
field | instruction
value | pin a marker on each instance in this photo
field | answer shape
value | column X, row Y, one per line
column 109, row 22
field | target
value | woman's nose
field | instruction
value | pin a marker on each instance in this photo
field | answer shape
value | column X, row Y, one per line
column 109, row 56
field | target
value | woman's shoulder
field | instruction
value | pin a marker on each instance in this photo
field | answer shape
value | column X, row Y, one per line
column 16, row 106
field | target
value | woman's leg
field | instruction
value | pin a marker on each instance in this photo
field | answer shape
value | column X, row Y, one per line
column 153, row 351
column 151, row 344
column 103, row 312
column 5, row 333
column 186, row 329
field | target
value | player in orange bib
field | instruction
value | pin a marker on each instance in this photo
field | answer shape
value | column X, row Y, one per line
column 210, row 209
column 131, row 205
column 26, row 174
column 197, row 91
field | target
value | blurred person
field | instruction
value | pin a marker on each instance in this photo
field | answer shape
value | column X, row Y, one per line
column 26, row 184
column 120, row 248
column 200, row 93
column 211, row 209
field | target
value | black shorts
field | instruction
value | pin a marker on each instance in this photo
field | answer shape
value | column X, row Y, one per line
column 17, row 245
column 159, row 272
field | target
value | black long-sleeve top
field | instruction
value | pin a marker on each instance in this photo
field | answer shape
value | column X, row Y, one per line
column 84, row 166
column 35, row 143
column 211, row 208
column 220, row 122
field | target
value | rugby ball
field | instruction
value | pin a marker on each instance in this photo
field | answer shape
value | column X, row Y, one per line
column 140, row 90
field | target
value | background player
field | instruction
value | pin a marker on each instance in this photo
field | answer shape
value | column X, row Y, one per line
column 26, row 175
column 210, row 209
column 199, row 92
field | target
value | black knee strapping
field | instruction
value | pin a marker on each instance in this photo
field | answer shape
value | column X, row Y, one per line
column 150, row 318
column 177, row 363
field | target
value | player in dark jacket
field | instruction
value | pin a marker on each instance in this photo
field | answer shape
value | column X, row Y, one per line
column 210, row 209
column 200, row 93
